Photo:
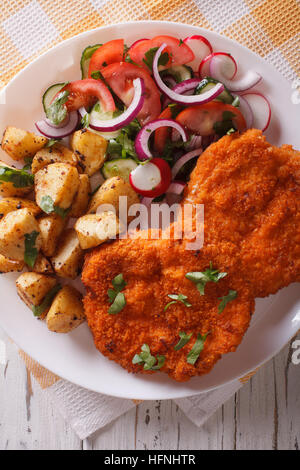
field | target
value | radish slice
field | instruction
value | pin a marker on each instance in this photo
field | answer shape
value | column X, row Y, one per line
column 58, row 132
column 152, row 178
column 183, row 99
column 184, row 159
column 229, row 65
column 219, row 70
column 142, row 139
column 261, row 109
column 125, row 118
column 139, row 40
column 246, row 111
column 201, row 48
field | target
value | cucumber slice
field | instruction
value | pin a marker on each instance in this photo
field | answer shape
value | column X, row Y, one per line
column 207, row 83
column 85, row 59
column 97, row 113
column 119, row 167
column 50, row 93
column 179, row 72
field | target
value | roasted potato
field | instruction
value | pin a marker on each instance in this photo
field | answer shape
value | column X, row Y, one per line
column 59, row 182
column 68, row 259
column 94, row 229
column 81, row 199
column 33, row 287
column 20, row 144
column 9, row 266
column 58, row 153
column 90, row 150
column 42, row 265
column 14, row 182
column 13, row 228
column 51, row 227
column 109, row 193
column 10, row 204
column 66, row 312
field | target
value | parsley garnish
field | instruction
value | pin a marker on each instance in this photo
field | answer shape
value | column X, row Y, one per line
column 85, row 121
column 177, row 298
column 115, row 296
column 232, row 294
column 96, row 75
column 196, row 349
column 201, row 278
column 31, row 251
column 148, row 360
column 28, row 163
column 184, row 339
column 51, row 142
column 149, row 56
column 123, row 145
column 19, row 178
column 180, row 42
column 57, row 110
column 48, row 206
column 39, row 309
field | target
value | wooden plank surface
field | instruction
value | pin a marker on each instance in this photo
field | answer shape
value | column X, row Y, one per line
column 263, row 415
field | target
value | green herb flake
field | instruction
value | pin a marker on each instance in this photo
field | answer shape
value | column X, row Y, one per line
column 96, row 75
column 118, row 304
column 57, row 110
column 201, row 278
column 28, row 163
column 115, row 296
column 149, row 56
column 119, row 283
column 40, row 309
column 48, row 206
column 150, row 362
column 19, row 178
column 85, row 121
column 31, row 251
column 51, row 142
column 177, row 298
column 196, row 349
column 184, row 339
column 180, row 42
column 232, row 294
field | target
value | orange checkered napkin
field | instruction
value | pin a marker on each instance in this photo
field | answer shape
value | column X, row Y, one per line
column 28, row 28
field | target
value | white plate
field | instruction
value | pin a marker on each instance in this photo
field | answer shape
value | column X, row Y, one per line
column 74, row 356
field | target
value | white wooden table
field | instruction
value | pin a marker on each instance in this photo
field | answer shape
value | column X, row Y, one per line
column 265, row 414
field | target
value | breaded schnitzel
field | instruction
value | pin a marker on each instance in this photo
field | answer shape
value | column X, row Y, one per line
column 251, row 193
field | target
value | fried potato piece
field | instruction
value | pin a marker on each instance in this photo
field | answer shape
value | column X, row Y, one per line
column 51, row 227
column 19, row 144
column 9, row 204
column 58, row 153
column 59, row 181
column 9, row 266
column 90, row 149
column 33, row 287
column 18, row 184
column 13, row 228
column 66, row 312
column 110, row 192
column 42, row 265
column 82, row 197
column 94, row 229
column 68, row 259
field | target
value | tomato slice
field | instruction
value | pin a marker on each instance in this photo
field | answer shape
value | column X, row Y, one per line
column 109, row 53
column 120, row 76
column 179, row 52
column 86, row 92
column 201, row 119
column 161, row 134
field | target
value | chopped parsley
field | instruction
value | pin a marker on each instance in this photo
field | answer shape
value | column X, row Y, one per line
column 28, row 163
column 232, row 294
column 177, row 298
column 85, row 121
column 149, row 56
column 196, row 349
column 123, row 145
column 39, row 309
column 57, row 110
column 180, row 42
column 184, row 339
column 31, row 251
column 115, row 296
column 96, row 75
column 51, row 142
column 150, row 362
column 48, row 206
column 19, row 178
column 201, row 278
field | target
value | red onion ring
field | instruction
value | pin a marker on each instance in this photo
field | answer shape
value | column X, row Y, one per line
column 176, row 187
column 58, row 132
column 62, row 124
column 125, row 118
column 183, row 99
column 184, row 159
column 142, row 139
column 249, row 80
